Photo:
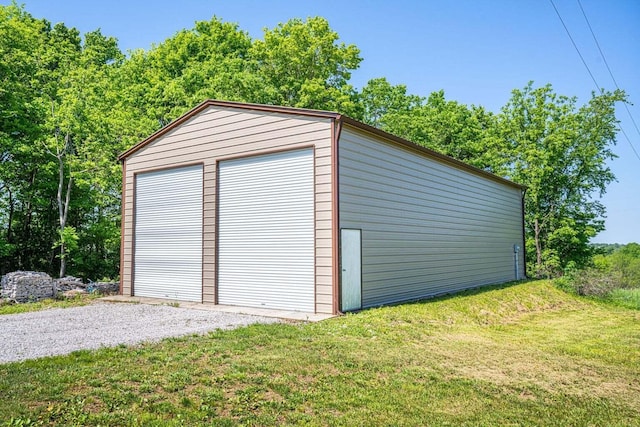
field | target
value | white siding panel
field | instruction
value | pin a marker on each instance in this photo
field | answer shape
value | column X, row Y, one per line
column 168, row 234
column 427, row 227
column 266, row 231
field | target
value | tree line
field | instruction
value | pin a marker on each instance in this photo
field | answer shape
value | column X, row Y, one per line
column 70, row 103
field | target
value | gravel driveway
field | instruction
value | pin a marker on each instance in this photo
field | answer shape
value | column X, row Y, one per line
column 63, row 330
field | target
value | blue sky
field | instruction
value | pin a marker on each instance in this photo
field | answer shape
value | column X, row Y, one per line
column 477, row 51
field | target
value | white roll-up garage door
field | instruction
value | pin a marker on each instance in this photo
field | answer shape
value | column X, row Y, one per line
column 266, row 231
column 168, row 234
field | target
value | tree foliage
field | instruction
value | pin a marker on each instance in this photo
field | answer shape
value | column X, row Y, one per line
column 383, row 104
column 443, row 125
column 69, row 103
column 623, row 263
column 560, row 151
column 59, row 149
column 208, row 61
column 301, row 64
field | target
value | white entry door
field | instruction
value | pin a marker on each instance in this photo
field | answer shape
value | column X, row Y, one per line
column 351, row 269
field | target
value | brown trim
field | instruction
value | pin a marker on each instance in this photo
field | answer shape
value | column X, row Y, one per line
column 164, row 168
column 132, row 273
column 429, row 152
column 226, row 104
column 274, row 109
column 216, row 237
column 336, row 129
column 163, row 130
column 122, row 222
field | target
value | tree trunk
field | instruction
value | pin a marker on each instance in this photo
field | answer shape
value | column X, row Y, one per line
column 10, row 219
column 536, row 231
column 63, row 206
column 24, row 254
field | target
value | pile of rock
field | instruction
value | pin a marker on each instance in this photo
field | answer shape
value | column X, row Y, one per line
column 68, row 283
column 69, row 287
column 104, row 287
column 26, row 286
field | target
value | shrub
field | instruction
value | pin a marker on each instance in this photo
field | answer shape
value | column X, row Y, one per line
column 594, row 282
column 614, row 277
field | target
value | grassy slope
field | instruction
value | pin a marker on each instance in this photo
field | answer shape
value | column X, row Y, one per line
column 516, row 355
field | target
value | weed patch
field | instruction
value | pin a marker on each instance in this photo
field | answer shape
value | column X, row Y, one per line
column 629, row 298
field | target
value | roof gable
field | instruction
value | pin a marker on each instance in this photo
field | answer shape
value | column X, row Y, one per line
column 225, row 104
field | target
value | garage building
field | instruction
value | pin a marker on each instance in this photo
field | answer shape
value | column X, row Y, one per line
column 295, row 209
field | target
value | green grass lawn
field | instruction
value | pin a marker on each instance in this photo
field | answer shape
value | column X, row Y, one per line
column 505, row 356
column 12, row 308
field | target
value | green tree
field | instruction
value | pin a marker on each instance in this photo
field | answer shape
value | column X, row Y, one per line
column 302, row 64
column 382, row 101
column 21, row 116
column 299, row 64
column 71, row 103
column 207, row 61
column 445, row 126
column 61, row 127
column 76, row 134
column 560, row 151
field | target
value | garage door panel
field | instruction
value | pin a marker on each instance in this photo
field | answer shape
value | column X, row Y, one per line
column 186, row 236
column 266, row 231
column 168, row 213
column 168, row 234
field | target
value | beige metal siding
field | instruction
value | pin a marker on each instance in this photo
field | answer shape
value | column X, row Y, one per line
column 427, row 227
column 219, row 133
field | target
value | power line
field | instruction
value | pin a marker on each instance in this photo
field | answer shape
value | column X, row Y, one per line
column 629, row 141
column 589, row 70
column 575, row 46
column 595, row 39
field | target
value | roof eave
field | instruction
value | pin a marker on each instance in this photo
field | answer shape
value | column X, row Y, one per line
column 431, row 153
